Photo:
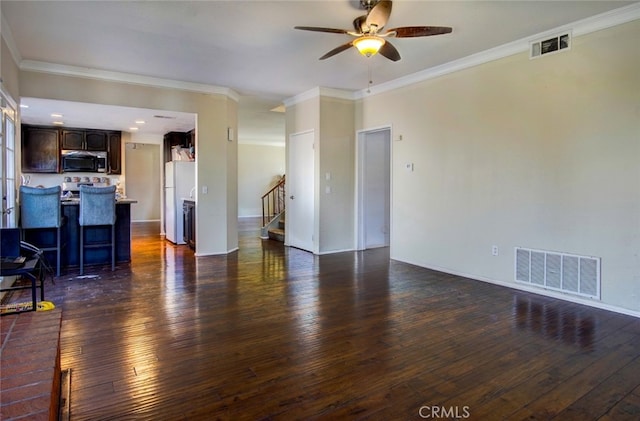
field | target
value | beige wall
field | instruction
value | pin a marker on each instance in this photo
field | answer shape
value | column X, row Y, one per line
column 216, row 168
column 535, row 153
column 336, row 148
column 332, row 120
column 8, row 71
column 142, row 167
column 259, row 169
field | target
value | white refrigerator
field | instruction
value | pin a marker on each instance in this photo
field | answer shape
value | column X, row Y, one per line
column 179, row 180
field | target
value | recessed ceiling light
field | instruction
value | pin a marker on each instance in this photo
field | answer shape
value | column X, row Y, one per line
column 133, row 128
column 24, row 106
column 58, row 123
column 56, row 115
column 139, row 121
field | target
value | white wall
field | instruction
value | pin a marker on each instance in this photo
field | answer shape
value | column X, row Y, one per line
column 259, row 169
column 538, row 153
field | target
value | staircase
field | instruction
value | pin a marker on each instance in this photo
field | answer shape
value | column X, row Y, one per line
column 273, row 207
column 277, row 232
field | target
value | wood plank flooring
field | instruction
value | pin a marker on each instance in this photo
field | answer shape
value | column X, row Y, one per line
column 275, row 333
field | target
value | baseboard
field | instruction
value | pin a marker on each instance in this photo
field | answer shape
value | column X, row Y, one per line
column 525, row 288
column 216, row 254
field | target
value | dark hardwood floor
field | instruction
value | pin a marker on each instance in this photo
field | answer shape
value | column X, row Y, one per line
column 271, row 332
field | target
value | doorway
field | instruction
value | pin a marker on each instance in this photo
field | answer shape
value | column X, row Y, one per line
column 374, row 189
column 300, row 216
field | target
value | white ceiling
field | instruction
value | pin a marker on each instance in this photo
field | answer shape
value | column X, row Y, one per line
column 252, row 47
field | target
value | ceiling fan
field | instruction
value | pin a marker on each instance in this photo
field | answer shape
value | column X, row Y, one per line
column 369, row 38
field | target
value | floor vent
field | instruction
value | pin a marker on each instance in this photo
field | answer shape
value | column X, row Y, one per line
column 549, row 45
column 570, row 273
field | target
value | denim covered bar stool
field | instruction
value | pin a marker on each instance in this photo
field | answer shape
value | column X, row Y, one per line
column 40, row 210
column 97, row 208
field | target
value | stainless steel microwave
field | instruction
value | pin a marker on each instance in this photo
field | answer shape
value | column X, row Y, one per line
column 84, row 161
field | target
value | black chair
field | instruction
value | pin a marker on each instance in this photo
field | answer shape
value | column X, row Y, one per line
column 97, row 208
column 21, row 259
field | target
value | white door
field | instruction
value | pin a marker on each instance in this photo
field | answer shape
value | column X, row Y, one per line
column 300, row 216
column 374, row 183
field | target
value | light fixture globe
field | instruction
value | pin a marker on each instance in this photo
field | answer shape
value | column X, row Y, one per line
column 369, row 45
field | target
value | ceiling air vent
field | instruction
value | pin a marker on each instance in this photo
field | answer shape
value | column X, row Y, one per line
column 554, row 44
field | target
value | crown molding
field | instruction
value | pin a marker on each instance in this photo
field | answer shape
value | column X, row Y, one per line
column 582, row 27
column 89, row 73
column 317, row 93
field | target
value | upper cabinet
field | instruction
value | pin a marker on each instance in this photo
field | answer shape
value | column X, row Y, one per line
column 96, row 140
column 172, row 139
column 115, row 153
column 40, row 149
column 85, row 140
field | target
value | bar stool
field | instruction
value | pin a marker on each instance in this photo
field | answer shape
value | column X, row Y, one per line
column 40, row 210
column 97, row 208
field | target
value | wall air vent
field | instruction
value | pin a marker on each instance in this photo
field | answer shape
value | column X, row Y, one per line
column 570, row 273
column 550, row 45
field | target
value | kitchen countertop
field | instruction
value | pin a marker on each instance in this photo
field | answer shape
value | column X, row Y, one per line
column 76, row 201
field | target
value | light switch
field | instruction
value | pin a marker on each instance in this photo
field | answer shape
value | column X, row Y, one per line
column 327, row 176
column 205, row 189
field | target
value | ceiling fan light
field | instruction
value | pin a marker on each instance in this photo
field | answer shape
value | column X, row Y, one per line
column 369, row 45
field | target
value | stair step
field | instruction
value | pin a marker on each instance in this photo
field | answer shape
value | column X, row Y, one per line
column 276, row 234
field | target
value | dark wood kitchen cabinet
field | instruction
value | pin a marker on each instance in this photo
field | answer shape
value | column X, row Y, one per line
column 42, row 145
column 189, row 221
column 171, row 139
column 84, row 140
column 72, row 139
column 96, row 140
column 40, row 149
column 115, row 152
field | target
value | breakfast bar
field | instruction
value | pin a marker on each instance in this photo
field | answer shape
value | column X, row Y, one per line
column 71, row 236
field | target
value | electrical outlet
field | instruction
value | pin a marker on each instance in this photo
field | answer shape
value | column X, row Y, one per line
column 494, row 250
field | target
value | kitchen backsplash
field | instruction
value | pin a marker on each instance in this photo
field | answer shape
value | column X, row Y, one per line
column 50, row 180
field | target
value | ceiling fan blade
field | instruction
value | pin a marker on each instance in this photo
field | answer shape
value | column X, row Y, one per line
column 337, row 50
column 389, row 51
column 379, row 14
column 359, row 23
column 319, row 29
column 419, row 31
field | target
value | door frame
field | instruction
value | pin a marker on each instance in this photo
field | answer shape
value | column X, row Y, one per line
column 9, row 189
column 361, row 136
column 313, row 246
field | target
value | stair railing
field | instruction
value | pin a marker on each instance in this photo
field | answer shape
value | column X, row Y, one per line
column 273, row 202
